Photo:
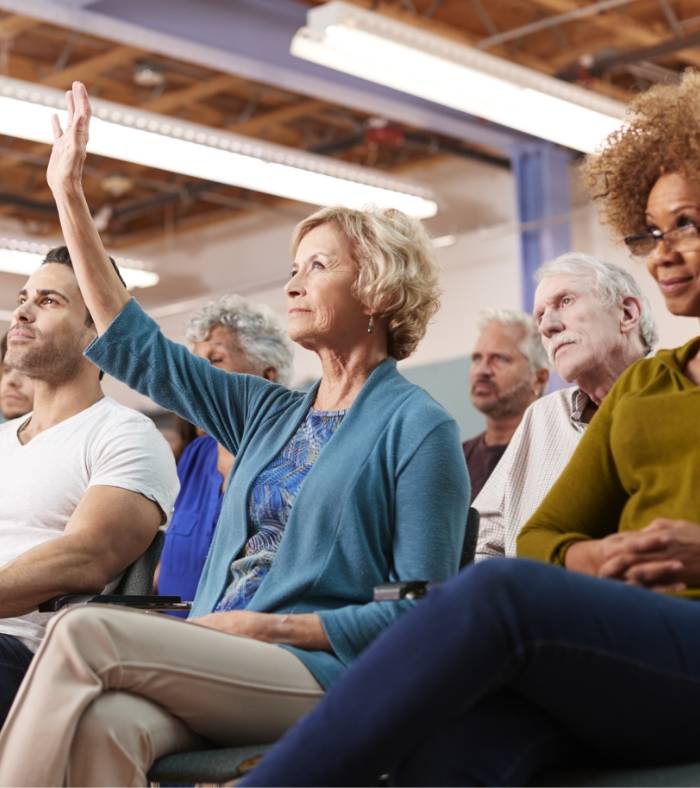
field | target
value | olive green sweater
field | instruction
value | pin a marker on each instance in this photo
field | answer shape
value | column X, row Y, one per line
column 639, row 459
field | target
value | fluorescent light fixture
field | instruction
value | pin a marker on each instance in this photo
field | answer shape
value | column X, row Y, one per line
column 24, row 257
column 407, row 58
column 166, row 143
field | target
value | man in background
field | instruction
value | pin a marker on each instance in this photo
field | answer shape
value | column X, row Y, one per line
column 16, row 389
column 509, row 371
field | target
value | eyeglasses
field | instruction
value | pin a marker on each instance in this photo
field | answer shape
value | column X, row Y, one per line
column 685, row 238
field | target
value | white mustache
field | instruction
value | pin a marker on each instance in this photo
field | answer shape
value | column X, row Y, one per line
column 565, row 338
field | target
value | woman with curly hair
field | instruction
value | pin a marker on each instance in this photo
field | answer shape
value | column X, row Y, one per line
column 516, row 664
column 356, row 482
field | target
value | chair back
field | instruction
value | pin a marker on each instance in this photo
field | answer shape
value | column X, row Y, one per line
column 471, row 536
column 138, row 578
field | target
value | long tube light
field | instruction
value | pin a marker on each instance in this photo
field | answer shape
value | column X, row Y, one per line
column 23, row 257
column 407, row 58
column 146, row 138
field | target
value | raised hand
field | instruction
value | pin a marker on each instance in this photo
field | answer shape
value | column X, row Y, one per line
column 65, row 170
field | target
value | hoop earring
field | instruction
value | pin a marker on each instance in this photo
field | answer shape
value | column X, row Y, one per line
column 370, row 325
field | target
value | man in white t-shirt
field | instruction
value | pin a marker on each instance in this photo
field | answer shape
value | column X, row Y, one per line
column 85, row 483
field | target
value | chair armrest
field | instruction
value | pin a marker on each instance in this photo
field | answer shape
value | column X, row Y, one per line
column 141, row 601
column 410, row 589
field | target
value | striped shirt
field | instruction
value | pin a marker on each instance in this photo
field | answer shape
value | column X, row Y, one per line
column 537, row 453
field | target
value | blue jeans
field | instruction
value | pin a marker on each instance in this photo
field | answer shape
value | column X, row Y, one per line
column 14, row 661
column 500, row 671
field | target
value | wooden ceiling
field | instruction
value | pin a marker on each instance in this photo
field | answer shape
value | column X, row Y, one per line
column 616, row 47
column 135, row 203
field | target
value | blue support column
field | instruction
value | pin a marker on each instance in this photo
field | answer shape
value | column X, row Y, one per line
column 542, row 185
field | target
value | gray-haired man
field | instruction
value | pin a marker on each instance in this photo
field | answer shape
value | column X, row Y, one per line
column 595, row 322
column 508, row 372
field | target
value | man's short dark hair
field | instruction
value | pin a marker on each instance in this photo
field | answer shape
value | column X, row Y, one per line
column 60, row 254
column 3, row 347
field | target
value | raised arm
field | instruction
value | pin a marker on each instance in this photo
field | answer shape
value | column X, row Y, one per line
column 102, row 291
column 134, row 350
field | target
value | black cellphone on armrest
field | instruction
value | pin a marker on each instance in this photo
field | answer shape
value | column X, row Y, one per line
column 140, row 601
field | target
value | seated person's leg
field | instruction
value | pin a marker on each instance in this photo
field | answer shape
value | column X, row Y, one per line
column 502, row 722
column 607, row 662
column 14, row 661
column 196, row 681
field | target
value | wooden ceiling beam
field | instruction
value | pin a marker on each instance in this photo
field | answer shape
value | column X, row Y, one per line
column 277, row 117
column 20, row 67
column 620, row 27
column 182, row 225
column 92, row 67
column 12, row 26
column 200, row 90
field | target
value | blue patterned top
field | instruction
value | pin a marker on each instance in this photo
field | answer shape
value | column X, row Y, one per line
column 271, row 499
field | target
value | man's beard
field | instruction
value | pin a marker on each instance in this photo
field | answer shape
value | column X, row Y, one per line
column 510, row 403
column 51, row 362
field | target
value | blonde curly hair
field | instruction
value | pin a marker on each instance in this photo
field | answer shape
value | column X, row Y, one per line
column 397, row 274
column 661, row 135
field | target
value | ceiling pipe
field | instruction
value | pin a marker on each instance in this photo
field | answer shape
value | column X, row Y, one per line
column 551, row 21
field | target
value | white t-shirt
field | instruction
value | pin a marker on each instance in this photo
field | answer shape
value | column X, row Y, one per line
column 43, row 481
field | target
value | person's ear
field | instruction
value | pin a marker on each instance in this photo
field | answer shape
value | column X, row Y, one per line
column 630, row 314
column 541, row 380
column 89, row 334
column 270, row 373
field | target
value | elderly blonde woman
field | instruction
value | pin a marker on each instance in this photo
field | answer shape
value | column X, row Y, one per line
column 362, row 476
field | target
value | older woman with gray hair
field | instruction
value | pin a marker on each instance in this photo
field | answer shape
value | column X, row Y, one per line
column 358, row 481
column 235, row 335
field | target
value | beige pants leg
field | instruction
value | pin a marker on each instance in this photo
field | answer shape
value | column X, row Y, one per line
column 111, row 689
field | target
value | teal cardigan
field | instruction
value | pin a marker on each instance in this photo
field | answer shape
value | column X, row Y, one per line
column 386, row 500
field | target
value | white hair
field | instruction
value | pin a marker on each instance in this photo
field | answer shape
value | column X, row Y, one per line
column 612, row 283
column 256, row 327
column 531, row 345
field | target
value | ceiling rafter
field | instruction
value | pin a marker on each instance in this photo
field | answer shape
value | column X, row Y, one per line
column 621, row 27
column 259, row 106
column 276, row 117
column 85, row 70
column 13, row 25
column 175, row 99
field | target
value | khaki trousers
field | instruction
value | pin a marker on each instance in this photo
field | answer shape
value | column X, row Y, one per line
column 110, row 690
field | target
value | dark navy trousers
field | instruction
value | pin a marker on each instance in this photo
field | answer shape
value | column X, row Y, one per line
column 499, row 672
column 14, row 661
